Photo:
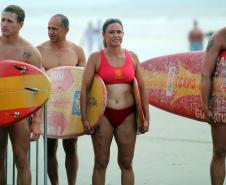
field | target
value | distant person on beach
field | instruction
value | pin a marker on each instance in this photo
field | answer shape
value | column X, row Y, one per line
column 58, row 51
column 216, row 44
column 14, row 47
column 118, row 68
column 88, row 38
column 92, row 37
column 195, row 38
column 98, row 35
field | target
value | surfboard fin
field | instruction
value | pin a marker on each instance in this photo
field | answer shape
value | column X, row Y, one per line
column 32, row 89
column 22, row 69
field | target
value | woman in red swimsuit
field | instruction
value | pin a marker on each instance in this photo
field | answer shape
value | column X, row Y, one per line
column 117, row 67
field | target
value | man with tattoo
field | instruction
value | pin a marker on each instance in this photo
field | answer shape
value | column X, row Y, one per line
column 58, row 51
column 216, row 44
column 14, row 47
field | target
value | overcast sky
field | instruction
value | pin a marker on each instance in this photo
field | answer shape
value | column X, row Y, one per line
column 112, row 2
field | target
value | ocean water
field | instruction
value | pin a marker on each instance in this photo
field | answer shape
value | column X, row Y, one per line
column 151, row 29
column 177, row 150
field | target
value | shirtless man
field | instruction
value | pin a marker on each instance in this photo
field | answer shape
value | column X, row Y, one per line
column 14, row 47
column 216, row 44
column 58, row 51
column 195, row 38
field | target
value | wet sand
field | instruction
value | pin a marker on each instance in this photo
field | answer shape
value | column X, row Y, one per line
column 176, row 151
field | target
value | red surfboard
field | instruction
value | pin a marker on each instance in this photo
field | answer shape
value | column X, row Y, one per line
column 23, row 89
column 173, row 84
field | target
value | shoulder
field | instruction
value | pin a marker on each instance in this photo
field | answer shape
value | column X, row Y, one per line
column 134, row 57
column 43, row 46
column 218, row 39
column 222, row 30
column 77, row 50
column 26, row 45
column 30, row 53
column 220, row 34
column 29, row 48
column 95, row 56
column 74, row 46
column 93, row 62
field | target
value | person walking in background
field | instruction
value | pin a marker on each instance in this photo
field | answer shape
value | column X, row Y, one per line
column 216, row 44
column 98, row 35
column 58, row 51
column 88, row 37
column 195, row 38
column 14, row 47
column 118, row 68
column 92, row 37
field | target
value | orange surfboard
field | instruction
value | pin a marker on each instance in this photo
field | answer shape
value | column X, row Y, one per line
column 173, row 84
column 63, row 107
column 139, row 110
column 23, row 89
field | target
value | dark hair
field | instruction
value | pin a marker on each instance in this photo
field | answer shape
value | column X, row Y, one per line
column 17, row 10
column 110, row 21
column 64, row 20
column 107, row 23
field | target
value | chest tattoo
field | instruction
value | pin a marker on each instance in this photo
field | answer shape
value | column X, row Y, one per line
column 27, row 55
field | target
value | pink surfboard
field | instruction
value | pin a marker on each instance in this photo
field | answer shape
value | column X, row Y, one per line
column 63, row 106
column 173, row 83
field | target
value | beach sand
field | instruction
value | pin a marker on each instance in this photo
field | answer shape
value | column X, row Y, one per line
column 176, row 151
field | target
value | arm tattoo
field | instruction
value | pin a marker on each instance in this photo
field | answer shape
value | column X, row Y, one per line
column 210, row 43
column 27, row 55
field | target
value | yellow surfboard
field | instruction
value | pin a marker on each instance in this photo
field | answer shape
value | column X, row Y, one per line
column 63, row 107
